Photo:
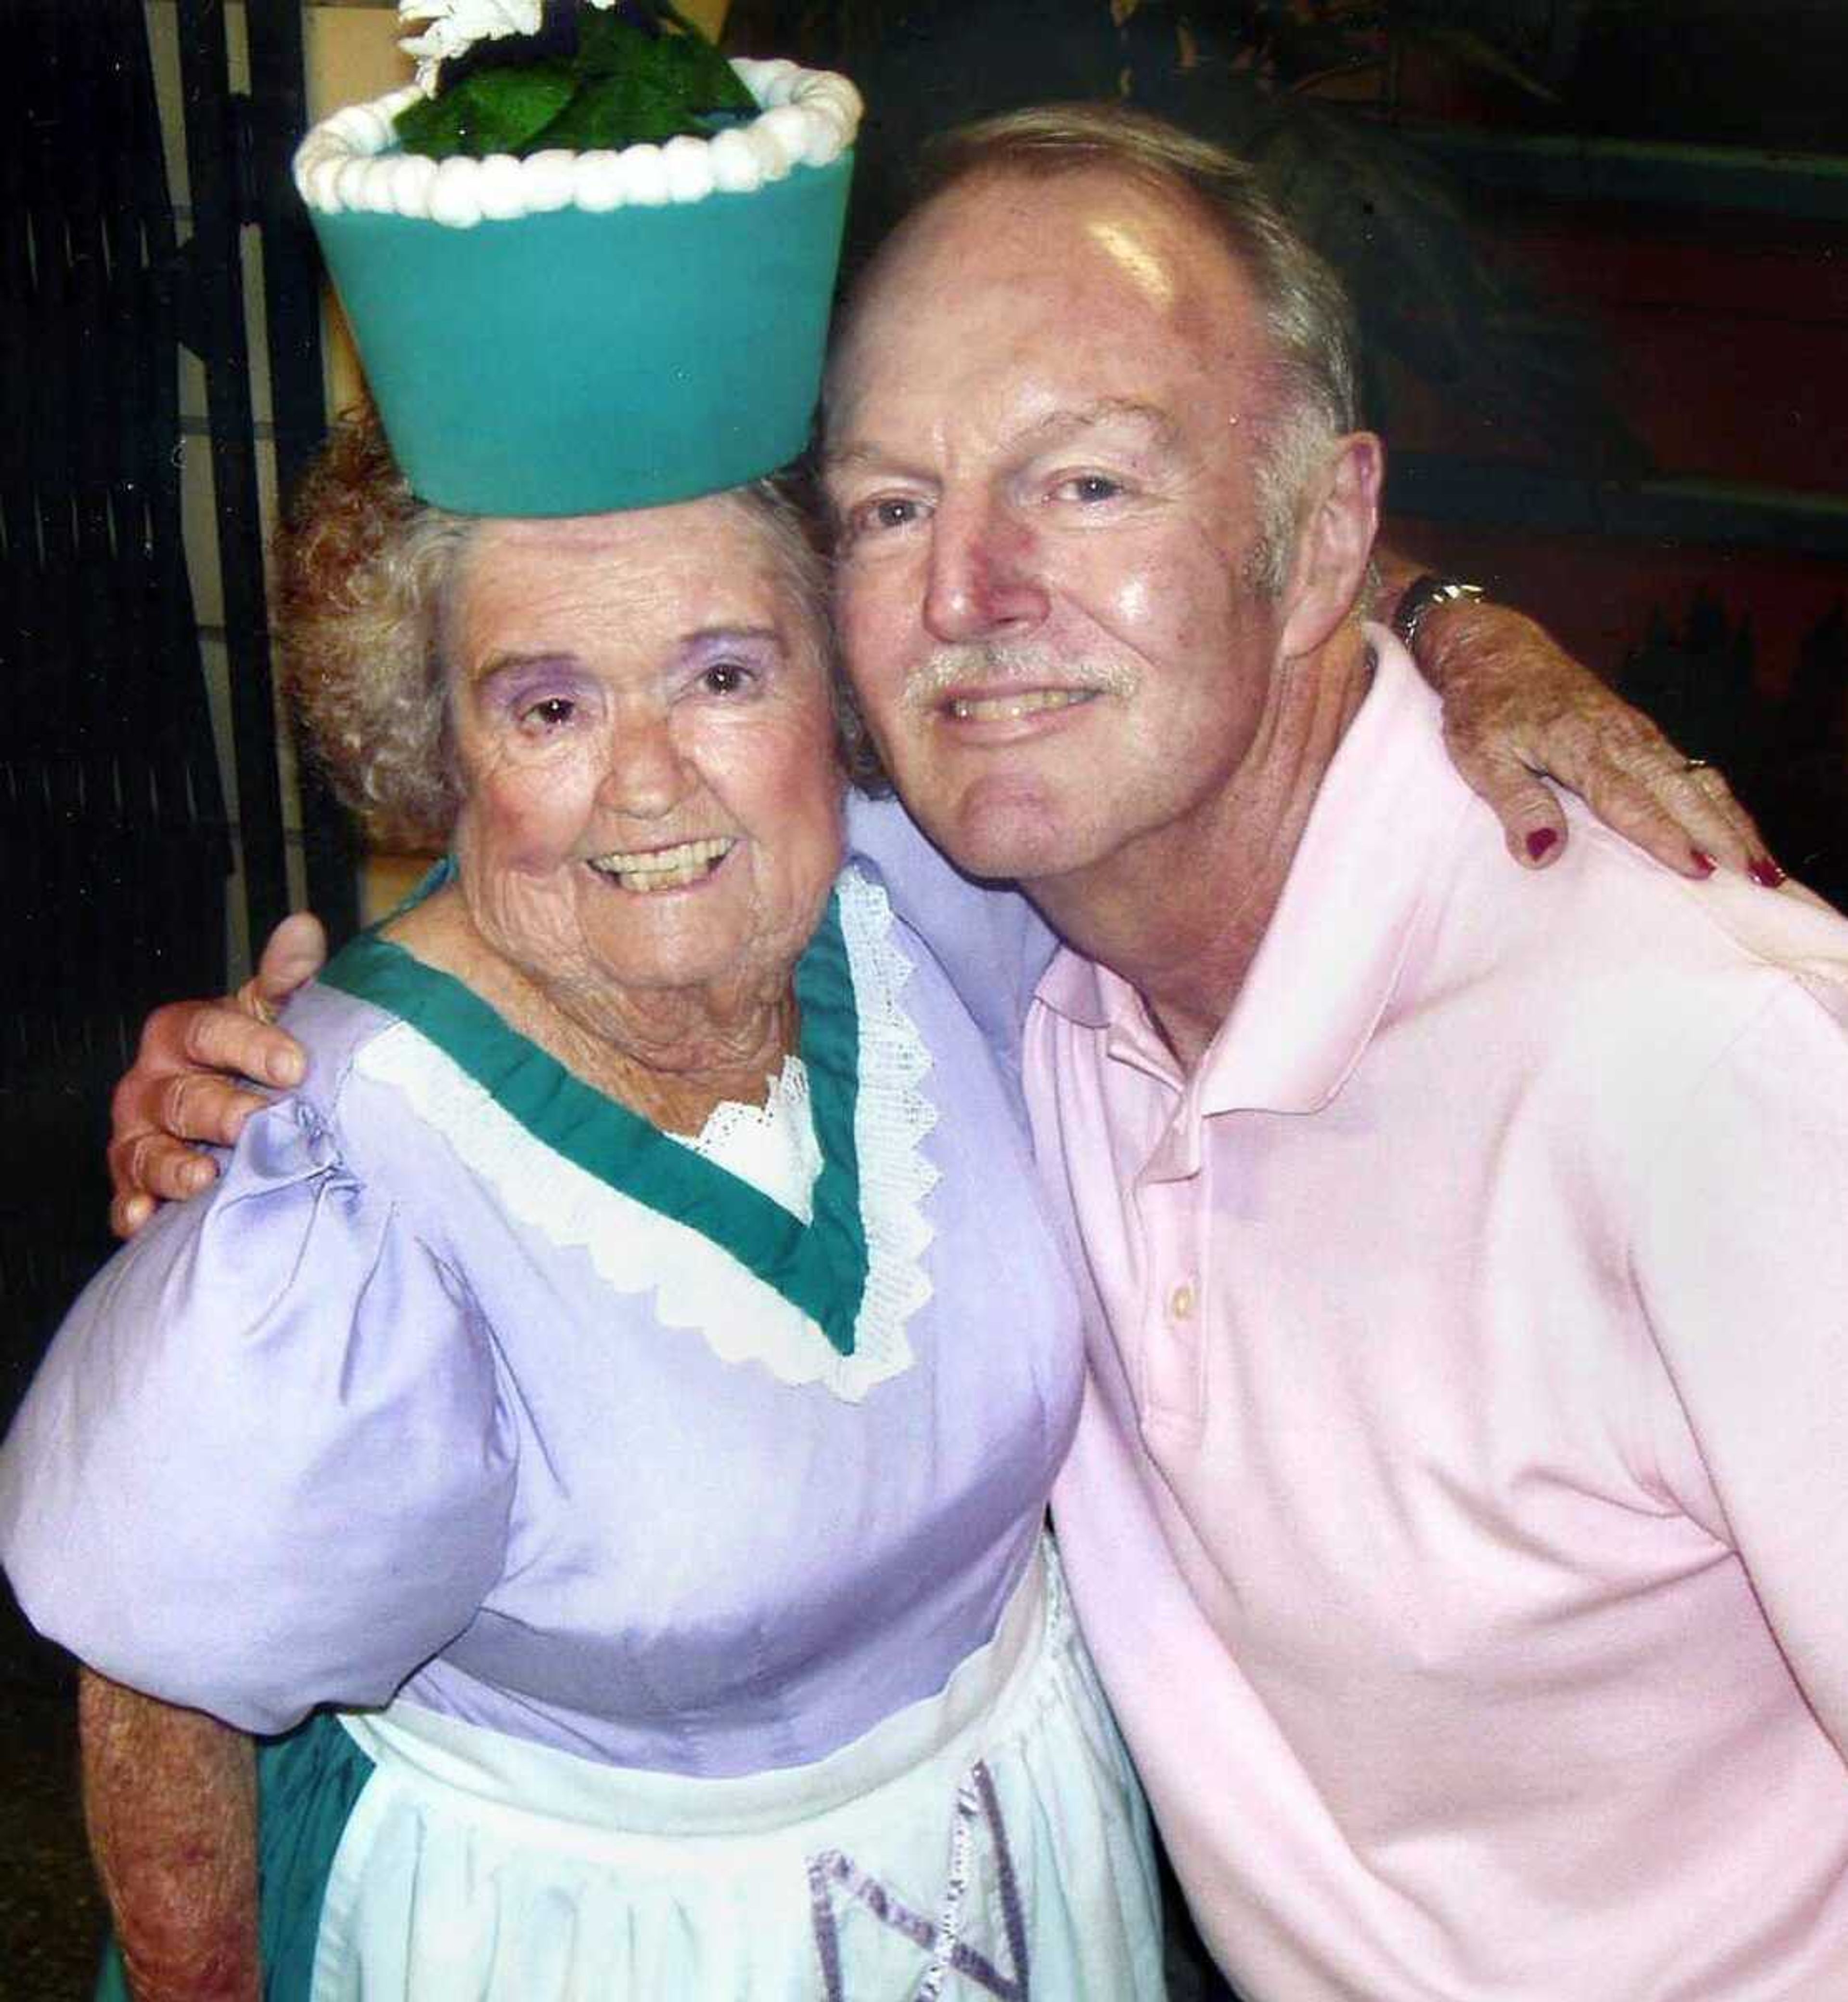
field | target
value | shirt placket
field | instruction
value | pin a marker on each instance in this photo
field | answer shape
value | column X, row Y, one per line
column 1170, row 1217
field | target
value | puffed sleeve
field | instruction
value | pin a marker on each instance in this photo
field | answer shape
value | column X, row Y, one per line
column 264, row 1465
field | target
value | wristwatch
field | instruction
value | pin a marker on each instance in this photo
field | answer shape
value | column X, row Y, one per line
column 1422, row 595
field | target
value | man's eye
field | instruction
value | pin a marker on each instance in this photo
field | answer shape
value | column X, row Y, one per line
column 891, row 510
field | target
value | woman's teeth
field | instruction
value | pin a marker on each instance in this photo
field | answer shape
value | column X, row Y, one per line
column 665, row 868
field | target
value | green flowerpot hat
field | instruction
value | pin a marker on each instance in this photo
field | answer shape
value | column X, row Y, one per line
column 585, row 328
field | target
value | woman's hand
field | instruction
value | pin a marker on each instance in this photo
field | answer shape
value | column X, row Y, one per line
column 188, row 1086
column 1517, row 706
column 170, row 1797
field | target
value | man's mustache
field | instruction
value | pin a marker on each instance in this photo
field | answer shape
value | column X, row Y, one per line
column 1026, row 663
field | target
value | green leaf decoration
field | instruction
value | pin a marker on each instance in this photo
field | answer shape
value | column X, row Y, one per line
column 617, row 111
column 709, row 81
column 492, row 111
column 608, row 45
column 683, row 65
column 624, row 85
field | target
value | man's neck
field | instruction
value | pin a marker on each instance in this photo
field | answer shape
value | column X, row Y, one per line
column 1181, row 914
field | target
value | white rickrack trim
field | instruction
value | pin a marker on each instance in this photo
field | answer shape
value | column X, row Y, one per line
column 696, row 1285
column 348, row 161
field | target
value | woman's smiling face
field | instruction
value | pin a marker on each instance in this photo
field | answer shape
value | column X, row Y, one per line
column 651, row 798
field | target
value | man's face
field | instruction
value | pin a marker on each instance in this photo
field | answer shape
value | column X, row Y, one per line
column 1039, row 459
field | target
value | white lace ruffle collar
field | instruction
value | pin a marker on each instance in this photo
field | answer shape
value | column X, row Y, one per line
column 696, row 1285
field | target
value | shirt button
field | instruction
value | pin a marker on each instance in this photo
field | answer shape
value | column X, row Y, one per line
column 1181, row 1302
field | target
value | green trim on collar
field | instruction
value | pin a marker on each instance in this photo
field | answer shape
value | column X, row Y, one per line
column 819, row 1268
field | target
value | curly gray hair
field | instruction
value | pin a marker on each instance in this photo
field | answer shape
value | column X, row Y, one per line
column 365, row 573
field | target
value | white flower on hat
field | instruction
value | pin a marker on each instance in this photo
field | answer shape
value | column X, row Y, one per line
column 455, row 25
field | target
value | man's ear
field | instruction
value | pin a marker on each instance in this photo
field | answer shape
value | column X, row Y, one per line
column 1335, row 543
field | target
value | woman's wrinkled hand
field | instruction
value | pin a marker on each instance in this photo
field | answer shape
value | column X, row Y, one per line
column 191, row 1085
column 1519, row 710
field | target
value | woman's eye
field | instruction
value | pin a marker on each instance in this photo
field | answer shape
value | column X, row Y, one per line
column 1089, row 488
column 551, row 713
column 726, row 678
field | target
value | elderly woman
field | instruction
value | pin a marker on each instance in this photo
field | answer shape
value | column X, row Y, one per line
column 613, row 1401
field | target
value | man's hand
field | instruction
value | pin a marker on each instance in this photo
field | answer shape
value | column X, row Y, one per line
column 1516, row 705
column 188, row 1084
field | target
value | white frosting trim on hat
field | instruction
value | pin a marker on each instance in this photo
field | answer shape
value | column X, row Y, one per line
column 808, row 117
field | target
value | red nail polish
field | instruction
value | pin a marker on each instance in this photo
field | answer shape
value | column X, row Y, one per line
column 1540, row 840
column 1765, row 872
column 1703, row 861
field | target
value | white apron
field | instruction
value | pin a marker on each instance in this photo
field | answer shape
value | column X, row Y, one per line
column 986, row 1841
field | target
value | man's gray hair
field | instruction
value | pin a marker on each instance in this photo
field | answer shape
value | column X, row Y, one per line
column 1312, row 398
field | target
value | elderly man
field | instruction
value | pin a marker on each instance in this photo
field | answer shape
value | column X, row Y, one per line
column 1454, row 1516
column 1462, row 1569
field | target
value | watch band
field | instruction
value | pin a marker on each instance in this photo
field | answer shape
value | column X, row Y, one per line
column 1421, row 595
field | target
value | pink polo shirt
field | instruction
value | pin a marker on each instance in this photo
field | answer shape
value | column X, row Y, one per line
column 1459, row 1512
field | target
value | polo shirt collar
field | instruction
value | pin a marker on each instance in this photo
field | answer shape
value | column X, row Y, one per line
column 1367, row 864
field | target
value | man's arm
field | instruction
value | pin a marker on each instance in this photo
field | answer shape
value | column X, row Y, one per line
column 1518, row 706
column 170, row 1799
column 1740, row 1264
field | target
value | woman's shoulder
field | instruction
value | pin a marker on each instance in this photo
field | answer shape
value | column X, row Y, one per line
column 966, row 1001
column 333, row 1024
column 893, row 966
column 350, row 1113
column 341, row 1033
column 388, row 985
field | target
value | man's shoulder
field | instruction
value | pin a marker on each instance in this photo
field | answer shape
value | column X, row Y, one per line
column 1725, row 932
column 1649, row 973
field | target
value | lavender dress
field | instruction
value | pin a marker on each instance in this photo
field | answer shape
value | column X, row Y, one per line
column 691, row 1490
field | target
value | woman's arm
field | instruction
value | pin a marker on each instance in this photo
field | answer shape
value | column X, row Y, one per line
column 1519, row 710
column 170, row 1799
